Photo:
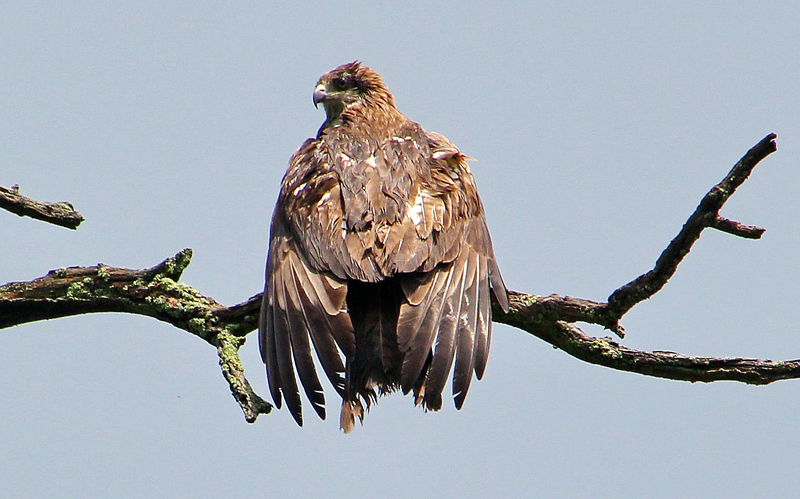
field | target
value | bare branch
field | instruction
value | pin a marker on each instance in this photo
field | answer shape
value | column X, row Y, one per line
column 62, row 214
column 706, row 215
column 251, row 404
column 738, row 229
column 549, row 317
column 535, row 315
column 156, row 293
column 153, row 292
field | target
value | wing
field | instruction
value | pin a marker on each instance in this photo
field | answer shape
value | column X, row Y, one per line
column 444, row 257
column 301, row 303
column 447, row 316
column 406, row 209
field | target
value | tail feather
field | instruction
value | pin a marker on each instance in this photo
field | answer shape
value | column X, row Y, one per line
column 350, row 410
column 375, row 367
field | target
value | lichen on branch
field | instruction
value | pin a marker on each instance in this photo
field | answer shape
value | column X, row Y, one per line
column 62, row 214
column 156, row 292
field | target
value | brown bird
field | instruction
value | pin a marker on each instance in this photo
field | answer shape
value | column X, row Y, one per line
column 379, row 253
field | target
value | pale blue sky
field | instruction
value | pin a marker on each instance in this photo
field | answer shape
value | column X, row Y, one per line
column 597, row 128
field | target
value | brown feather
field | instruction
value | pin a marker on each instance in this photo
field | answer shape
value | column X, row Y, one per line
column 418, row 324
column 483, row 329
column 283, row 351
column 266, row 336
column 379, row 254
column 301, row 348
column 327, row 328
column 448, row 324
column 465, row 339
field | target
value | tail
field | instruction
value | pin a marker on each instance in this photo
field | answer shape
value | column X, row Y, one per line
column 375, row 367
column 351, row 410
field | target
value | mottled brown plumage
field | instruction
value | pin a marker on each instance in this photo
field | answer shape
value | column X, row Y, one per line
column 379, row 259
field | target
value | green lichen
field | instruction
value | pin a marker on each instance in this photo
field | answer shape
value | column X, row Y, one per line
column 228, row 350
column 80, row 290
column 229, row 341
column 158, row 301
column 197, row 325
column 181, row 291
column 606, row 346
column 164, row 283
column 102, row 271
column 175, row 265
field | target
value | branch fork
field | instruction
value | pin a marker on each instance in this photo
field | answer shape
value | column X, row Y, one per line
column 156, row 292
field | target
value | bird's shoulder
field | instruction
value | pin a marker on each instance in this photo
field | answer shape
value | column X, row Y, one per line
column 368, row 205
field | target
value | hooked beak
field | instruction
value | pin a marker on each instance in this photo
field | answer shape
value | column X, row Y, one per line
column 319, row 94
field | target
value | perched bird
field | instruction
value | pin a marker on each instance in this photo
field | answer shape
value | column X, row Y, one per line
column 379, row 259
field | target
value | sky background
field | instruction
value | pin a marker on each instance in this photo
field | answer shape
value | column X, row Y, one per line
column 597, row 128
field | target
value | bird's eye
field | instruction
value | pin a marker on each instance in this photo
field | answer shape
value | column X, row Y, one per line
column 341, row 83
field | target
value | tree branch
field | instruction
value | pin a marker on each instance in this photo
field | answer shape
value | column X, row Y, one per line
column 706, row 215
column 62, row 214
column 153, row 292
column 537, row 316
column 156, row 292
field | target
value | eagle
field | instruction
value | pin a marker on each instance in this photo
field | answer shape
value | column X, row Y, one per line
column 379, row 259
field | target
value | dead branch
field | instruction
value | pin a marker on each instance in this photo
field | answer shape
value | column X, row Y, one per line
column 62, row 214
column 156, row 292
column 537, row 315
column 706, row 215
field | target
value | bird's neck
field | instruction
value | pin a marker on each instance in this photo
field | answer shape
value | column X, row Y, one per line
column 377, row 115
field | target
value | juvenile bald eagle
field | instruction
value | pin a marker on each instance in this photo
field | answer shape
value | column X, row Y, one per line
column 379, row 253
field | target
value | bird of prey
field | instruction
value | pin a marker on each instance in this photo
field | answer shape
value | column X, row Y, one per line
column 379, row 259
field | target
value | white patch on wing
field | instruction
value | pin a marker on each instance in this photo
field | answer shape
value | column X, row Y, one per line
column 417, row 210
column 371, row 161
column 382, row 232
column 299, row 188
column 347, row 160
column 398, row 139
column 324, row 198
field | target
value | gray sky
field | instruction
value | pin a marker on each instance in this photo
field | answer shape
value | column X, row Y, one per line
column 597, row 128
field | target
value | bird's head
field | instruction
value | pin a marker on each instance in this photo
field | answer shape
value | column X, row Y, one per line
column 348, row 86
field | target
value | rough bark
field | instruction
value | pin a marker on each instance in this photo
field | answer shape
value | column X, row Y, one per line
column 62, row 213
column 156, row 292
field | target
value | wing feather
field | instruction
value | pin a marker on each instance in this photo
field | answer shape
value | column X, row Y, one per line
column 323, row 324
column 498, row 287
column 465, row 340
column 283, row 350
column 420, row 290
column 299, row 325
column 426, row 316
column 445, row 339
column 267, row 345
column 299, row 303
column 483, row 328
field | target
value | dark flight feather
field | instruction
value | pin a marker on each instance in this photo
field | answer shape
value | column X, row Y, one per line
column 379, row 259
column 299, row 324
column 465, row 339
column 283, row 351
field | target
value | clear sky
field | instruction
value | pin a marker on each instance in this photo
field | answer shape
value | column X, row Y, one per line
column 597, row 126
